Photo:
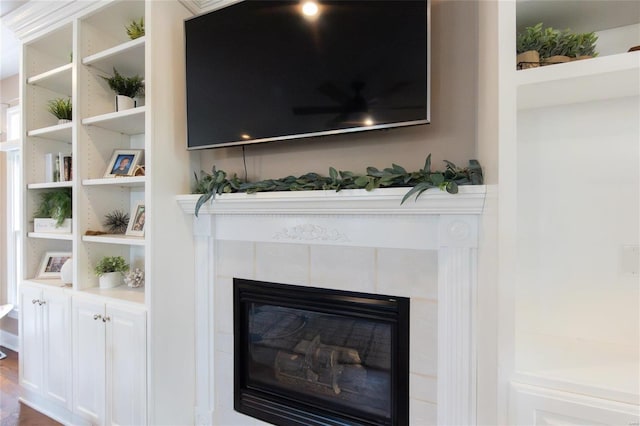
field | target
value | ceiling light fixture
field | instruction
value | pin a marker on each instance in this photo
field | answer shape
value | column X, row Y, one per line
column 310, row 8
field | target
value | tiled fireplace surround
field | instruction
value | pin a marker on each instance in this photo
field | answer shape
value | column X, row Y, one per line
column 351, row 240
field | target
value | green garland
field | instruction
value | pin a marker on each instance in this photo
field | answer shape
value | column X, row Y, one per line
column 217, row 182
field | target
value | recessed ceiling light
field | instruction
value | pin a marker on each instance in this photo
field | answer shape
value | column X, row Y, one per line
column 310, row 8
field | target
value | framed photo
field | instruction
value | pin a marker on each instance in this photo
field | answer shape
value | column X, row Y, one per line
column 136, row 224
column 124, row 162
column 52, row 264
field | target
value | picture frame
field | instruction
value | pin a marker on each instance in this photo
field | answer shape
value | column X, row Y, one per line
column 137, row 221
column 124, row 162
column 51, row 264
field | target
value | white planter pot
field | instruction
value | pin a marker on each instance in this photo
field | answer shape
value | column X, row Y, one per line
column 49, row 226
column 63, row 121
column 110, row 279
column 124, row 102
column 66, row 272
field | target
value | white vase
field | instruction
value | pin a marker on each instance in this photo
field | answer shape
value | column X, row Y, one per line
column 63, row 121
column 124, row 102
column 110, row 279
column 66, row 272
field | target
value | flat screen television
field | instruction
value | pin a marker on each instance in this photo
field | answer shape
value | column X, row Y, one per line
column 261, row 71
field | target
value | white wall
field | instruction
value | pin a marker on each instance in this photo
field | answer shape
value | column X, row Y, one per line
column 9, row 93
column 578, row 204
column 9, row 89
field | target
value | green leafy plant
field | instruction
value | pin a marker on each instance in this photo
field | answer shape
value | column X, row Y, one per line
column 60, row 108
column 550, row 42
column 584, row 45
column 111, row 264
column 125, row 86
column 116, row 221
column 217, row 182
column 135, row 29
column 530, row 39
column 55, row 204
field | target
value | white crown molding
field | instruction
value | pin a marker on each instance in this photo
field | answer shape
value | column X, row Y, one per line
column 198, row 7
column 37, row 16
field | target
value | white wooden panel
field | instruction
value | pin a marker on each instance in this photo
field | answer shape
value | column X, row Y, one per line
column 89, row 360
column 30, row 338
column 57, row 346
column 126, row 366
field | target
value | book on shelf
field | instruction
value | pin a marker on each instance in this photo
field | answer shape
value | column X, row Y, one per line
column 57, row 167
column 50, row 167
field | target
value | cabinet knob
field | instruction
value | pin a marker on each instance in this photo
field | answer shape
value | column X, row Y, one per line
column 105, row 319
column 34, row 301
column 42, row 302
column 97, row 317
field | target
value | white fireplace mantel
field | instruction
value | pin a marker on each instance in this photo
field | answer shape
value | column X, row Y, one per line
column 437, row 220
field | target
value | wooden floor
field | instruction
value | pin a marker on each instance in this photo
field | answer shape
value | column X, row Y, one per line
column 12, row 412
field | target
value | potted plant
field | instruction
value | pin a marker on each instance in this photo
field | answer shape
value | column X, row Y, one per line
column 528, row 44
column 110, row 271
column 126, row 88
column 584, row 46
column 545, row 46
column 61, row 109
column 54, row 212
column 135, row 29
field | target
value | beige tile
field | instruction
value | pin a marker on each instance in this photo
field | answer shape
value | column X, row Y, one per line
column 282, row 263
column 235, row 259
column 424, row 337
column 343, row 268
column 408, row 273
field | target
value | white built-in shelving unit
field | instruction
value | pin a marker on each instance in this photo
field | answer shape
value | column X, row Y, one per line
column 70, row 61
column 108, row 342
column 569, row 321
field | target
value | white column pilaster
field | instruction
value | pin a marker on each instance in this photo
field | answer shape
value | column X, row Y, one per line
column 457, row 265
column 204, row 264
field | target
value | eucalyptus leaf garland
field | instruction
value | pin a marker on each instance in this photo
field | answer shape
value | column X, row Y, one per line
column 218, row 182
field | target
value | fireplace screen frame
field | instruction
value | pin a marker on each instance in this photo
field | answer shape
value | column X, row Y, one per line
column 281, row 408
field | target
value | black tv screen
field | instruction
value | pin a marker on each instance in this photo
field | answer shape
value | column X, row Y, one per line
column 260, row 71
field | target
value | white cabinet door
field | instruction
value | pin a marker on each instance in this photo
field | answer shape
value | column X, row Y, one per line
column 89, row 360
column 31, row 366
column 126, row 366
column 56, row 356
column 110, row 363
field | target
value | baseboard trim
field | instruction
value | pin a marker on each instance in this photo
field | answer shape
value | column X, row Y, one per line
column 9, row 341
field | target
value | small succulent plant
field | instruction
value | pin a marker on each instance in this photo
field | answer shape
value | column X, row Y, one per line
column 116, row 221
column 111, row 264
column 61, row 108
column 135, row 29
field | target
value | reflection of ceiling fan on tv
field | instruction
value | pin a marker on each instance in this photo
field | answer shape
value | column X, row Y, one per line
column 352, row 107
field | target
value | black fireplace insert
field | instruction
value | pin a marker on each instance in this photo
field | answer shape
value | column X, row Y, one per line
column 311, row 356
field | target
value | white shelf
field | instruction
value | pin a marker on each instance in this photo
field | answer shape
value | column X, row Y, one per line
column 59, row 132
column 49, row 282
column 132, row 181
column 57, row 79
column 114, row 239
column 127, row 58
column 50, row 236
column 608, row 371
column 10, row 145
column 594, row 79
column 120, row 293
column 50, row 185
column 130, row 121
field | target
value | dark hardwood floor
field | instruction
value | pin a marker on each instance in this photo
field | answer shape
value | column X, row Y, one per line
column 12, row 412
